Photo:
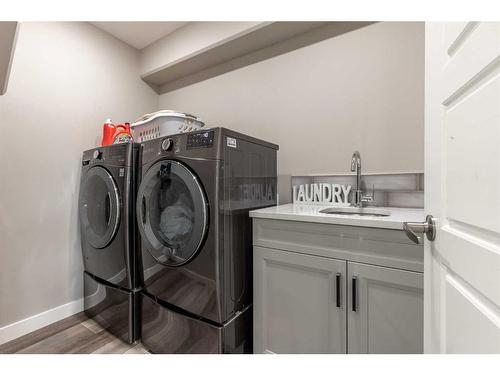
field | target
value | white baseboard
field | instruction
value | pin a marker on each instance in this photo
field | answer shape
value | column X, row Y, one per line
column 22, row 327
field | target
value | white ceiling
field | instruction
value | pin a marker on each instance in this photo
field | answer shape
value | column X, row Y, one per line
column 138, row 34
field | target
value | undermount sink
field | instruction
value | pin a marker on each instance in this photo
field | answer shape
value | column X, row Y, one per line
column 362, row 211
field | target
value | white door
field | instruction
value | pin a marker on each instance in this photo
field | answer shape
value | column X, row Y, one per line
column 462, row 184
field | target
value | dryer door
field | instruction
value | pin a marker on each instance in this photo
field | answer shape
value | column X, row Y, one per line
column 99, row 207
column 172, row 213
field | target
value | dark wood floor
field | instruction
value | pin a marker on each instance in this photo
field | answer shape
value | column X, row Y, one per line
column 76, row 334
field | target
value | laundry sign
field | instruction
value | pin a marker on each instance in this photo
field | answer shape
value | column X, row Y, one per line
column 321, row 193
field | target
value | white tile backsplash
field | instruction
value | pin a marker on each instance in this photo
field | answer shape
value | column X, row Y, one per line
column 407, row 199
column 392, row 190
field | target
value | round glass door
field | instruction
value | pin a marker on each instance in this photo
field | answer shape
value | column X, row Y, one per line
column 99, row 207
column 172, row 213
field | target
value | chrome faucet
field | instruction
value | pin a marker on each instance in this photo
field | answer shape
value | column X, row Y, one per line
column 359, row 197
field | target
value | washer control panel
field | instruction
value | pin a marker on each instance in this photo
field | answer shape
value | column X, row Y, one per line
column 200, row 140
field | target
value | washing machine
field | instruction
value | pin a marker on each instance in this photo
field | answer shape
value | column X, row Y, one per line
column 109, row 238
column 195, row 192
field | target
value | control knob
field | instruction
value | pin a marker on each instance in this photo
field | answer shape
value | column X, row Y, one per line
column 167, row 144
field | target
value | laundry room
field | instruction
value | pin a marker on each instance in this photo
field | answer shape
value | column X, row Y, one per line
column 297, row 186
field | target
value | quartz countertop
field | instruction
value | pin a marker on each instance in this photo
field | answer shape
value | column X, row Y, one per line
column 310, row 213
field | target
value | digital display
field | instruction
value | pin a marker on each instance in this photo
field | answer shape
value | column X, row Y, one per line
column 200, row 140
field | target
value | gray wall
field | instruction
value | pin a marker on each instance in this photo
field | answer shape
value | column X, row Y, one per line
column 66, row 78
column 361, row 90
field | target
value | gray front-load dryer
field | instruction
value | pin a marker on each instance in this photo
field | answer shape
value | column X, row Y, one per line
column 193, row 200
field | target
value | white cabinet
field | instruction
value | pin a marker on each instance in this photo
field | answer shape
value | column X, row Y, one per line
column 385, row 310
column 300, row 303
column 329, row 289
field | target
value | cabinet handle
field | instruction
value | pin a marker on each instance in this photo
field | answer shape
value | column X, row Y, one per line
column 354, row 293
column 337, row 286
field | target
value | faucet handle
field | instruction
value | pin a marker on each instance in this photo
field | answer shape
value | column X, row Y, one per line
column 369, row 197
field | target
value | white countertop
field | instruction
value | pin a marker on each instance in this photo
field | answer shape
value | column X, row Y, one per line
column 310, row 213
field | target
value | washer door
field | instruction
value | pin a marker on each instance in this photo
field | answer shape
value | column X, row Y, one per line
column 172, row 213
column 99, row 207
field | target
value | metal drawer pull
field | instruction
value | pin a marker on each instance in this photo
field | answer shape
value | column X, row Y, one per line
column 337, row 285
column 354, row 293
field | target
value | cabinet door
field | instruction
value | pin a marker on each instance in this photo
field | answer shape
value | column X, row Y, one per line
column 385, row 310
column 299, row 303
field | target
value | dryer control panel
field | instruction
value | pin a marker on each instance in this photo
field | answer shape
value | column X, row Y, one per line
column 200, row 140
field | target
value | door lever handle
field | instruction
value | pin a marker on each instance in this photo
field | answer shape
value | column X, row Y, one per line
column 415, row 230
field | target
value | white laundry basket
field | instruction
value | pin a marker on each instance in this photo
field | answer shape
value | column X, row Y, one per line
column 163, row 123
